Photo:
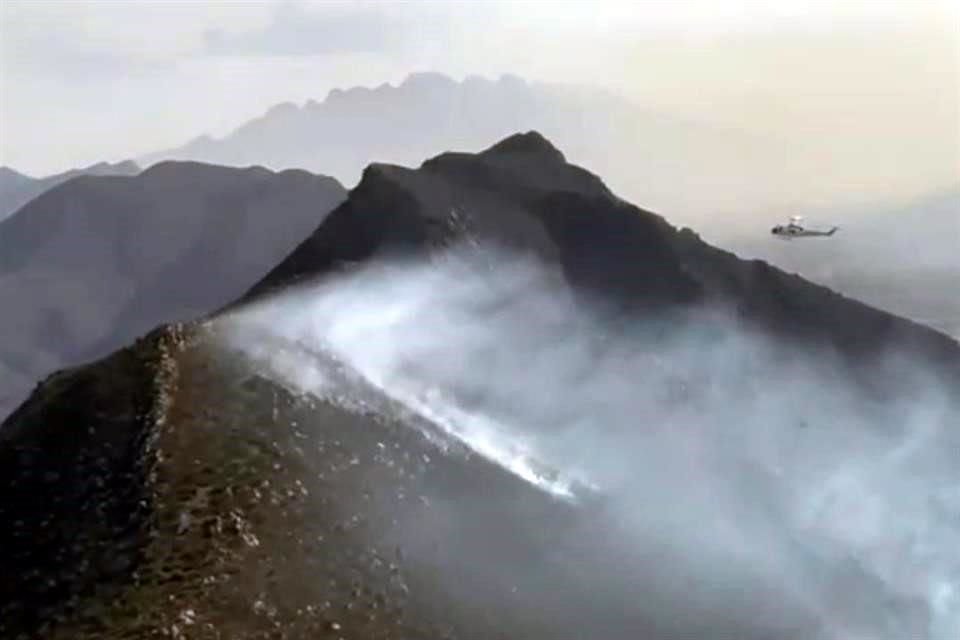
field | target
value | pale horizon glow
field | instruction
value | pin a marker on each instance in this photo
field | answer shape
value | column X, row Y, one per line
column 871, row 87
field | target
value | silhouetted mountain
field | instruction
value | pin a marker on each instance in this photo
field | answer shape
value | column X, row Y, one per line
column 176, row 486
column 17, row 189
column 522, row 194
column 690, row 169
column 96, row 261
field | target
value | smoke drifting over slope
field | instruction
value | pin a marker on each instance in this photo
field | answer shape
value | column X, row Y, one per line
column 726, row 484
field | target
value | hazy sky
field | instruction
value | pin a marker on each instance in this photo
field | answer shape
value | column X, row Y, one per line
column 864, row 81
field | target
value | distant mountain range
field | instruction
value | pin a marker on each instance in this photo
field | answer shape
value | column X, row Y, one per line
column 97, row 260
column 17, row 189
column 722, row 182
column 172, row 468
column 691, row 170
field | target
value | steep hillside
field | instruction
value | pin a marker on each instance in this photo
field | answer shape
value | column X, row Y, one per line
column 640, row 436
column 190, row 497
column 522, row 194
column 17, row 189
column 94, row 262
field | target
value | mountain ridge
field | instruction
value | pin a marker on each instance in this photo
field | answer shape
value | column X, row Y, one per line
column 526, row 196
column 17, row 189
column 94, row 261
column 691, row 169
column 200, row 492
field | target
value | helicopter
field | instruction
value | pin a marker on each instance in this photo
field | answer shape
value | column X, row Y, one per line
column 795, row 229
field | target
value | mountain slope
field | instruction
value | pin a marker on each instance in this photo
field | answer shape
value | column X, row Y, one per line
column 226, row 479
column 17, row 189
column 205, row 501
column 521, row 193
column 96, row 261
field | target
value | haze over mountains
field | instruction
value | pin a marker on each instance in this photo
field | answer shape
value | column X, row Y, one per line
column 487, row 396
column 96, row 261
column 902, row 259
column 693, row 170
column 729, row 185
column 541, row 373
column 905, row 259
column 17, row 189
column 522, row 194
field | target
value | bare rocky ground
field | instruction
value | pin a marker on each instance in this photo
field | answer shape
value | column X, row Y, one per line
column 193, row 499
column 170, row 491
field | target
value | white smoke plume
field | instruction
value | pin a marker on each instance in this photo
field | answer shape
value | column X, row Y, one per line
column 744, row 479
